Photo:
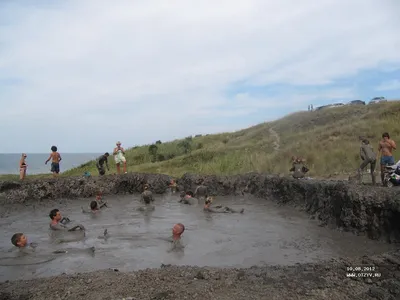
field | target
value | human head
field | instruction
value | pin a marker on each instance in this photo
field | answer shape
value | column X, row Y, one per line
column 385, row 136
column 23, row 155
column 146, row 186
column 118, row 144
column 53, row 148
column 19, row 240
column 208, row 201
column 365, row 141
column 189, row 193
column 98, row 196
column 178, row 229
column 55, row 214
column 107, row 154
column 93, row 205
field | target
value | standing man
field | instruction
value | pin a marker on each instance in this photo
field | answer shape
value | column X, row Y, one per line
column 55, row 158
column 100, row 163
column 368, row 156
column 386, row 147
column 119, row 157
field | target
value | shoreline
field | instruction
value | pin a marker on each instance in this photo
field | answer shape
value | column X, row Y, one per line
column 326, row 280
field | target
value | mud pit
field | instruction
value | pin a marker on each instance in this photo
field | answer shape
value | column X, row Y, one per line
column 271, row 236
column 264, row 234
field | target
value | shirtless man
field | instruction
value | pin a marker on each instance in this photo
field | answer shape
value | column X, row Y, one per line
column 94, row 208
column 201, row 191
column 103, row 159
column 386, row 147
column 55, row 158
column 189, row 199
column 220, row 209
column 119, row 157
column 57, row 224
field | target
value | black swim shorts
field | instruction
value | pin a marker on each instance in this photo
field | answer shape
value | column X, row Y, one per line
column 55, row 168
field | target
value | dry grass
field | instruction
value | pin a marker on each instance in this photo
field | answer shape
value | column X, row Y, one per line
column 328, row 139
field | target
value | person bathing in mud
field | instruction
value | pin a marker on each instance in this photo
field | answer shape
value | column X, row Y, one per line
column 175, row 239
column 99, row 199
column 55, row 158
column 219, row 208
column 103, row 159
column 119, row 157
column 201, row 192
column 298, row 168
column 173, row 186
column 59, row 223
column 20, row 241
column 22, row 167
column 94, row 208
column 146, row 198
column 188, row 198
column 386, row 147
column 368, row 157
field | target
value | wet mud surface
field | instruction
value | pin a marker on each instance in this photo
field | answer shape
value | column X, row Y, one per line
column 265, row 234
column 301, row 234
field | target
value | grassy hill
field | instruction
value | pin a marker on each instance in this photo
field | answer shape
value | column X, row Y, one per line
column 328, row 139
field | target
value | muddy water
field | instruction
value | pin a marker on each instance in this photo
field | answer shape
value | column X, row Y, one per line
column 264, row 234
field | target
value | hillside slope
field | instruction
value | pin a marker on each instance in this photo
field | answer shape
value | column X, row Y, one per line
column 328, row 139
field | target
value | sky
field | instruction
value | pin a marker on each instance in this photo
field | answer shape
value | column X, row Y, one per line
column 83, row 75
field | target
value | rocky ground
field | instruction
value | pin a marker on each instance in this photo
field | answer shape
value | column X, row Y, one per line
column 311, row 281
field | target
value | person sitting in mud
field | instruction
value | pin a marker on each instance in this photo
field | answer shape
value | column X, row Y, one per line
column 94, row 208
column 299, row 169
column 103, row 159
column 21, row 241
column 368, row 157
column 99, row 199
column 201, row 192
column 177, row 232
column 173, row 186
column 189, row 199
column 57, row 224
column 147, row 195
column 219, row 208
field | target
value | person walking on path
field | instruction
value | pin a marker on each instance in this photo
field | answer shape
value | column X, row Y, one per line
column 386, row 147
column 55, row 158
column 119, row 157
column 368, row 156
column 22, row 167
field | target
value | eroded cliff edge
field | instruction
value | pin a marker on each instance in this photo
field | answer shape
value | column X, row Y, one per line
column 374, row 211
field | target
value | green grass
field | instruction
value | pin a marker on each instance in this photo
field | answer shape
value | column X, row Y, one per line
column 328, row 139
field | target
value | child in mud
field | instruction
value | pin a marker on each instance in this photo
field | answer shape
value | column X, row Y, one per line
column 55, row 158
column 59, row 223
column 94, row 208
column 220, row 208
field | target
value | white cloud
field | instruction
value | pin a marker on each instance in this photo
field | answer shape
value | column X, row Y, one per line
column 95, row 71
column 389, row 85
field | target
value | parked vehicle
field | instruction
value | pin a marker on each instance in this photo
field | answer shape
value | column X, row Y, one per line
column 377, row 100
column 357, row 102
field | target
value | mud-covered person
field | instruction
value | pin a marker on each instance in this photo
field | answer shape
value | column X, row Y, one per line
column 173, row 186
column 201, row 192
column 55, row 158
column 94, row 208
column 58, row 223
column 20, row 241
column 146, row 198
column 299, row 168
column 99, row 199
column 218, row 209
column 189, row 198
column 176, row 242
column 101, row 161
column 386, row 147
column 368, row 157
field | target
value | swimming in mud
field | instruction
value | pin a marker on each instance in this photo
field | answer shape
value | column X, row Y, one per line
column 218, row 208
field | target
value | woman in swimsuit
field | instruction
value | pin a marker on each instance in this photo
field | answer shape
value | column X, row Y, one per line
column 22, row 167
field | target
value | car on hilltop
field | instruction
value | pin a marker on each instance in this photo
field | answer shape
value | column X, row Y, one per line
column 356, row 102
column 377, row 100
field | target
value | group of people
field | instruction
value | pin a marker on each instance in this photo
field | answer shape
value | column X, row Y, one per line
column 368, row 156
column 101, row 162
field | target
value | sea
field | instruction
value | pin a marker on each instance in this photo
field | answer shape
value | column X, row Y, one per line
column 9, row 162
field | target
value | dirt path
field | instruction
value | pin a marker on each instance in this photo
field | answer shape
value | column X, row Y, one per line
column 277, row 139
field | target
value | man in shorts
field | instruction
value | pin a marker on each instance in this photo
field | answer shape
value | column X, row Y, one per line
column 386, row 147
column 55, row 158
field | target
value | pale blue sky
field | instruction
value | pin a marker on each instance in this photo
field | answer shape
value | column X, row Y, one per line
column 84, row 74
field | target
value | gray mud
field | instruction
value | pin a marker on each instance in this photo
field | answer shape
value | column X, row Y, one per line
column 293, row 252
column 266, row 234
